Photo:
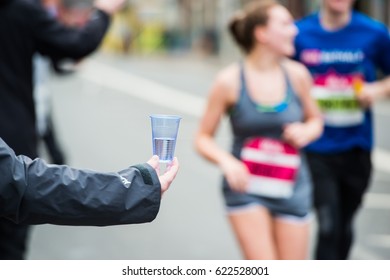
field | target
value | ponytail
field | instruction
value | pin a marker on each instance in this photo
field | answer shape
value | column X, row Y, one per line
column 244, row 22
column 237, row 29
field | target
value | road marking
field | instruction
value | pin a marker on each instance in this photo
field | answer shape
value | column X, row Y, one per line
column 379, row 240
column 361, row 253
column 382, row 108
column 147, row 90
column 162, row 95
column 377, row 201
column 381, row 160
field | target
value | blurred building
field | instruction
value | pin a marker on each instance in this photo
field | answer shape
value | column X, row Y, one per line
column 199, row 25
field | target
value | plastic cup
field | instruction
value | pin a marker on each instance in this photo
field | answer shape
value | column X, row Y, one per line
column 164, row 135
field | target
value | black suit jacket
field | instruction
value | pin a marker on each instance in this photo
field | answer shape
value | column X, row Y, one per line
column 26, row 28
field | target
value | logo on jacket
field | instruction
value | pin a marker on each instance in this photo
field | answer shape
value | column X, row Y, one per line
column 125, row 182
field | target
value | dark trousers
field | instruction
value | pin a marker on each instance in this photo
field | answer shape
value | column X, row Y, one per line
column 13, row 240
column 52, row 145
column 340, row 181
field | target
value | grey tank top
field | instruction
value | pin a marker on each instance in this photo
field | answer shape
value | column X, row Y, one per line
column 249, row 118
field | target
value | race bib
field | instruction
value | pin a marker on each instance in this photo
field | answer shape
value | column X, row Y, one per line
column 336, row 97
column 273, row 166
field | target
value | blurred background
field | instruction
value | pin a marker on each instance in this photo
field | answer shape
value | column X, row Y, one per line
column 171, row 26
column 160, row 56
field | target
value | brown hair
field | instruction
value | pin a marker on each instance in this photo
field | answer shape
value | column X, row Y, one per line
column 244, row 22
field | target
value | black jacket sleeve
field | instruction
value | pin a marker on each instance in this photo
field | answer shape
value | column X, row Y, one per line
column 58, row 41
column 33, row 192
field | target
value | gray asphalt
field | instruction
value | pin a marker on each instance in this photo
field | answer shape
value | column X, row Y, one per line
column 106, row 129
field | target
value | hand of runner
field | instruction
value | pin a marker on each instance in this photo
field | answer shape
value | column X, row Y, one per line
column 297, row 134
column 368, row 93
column 236, row 174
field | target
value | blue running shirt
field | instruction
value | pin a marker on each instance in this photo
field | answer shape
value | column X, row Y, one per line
column 340, row 62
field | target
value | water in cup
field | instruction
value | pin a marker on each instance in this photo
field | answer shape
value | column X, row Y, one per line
column 164, row 134
column 164, row 147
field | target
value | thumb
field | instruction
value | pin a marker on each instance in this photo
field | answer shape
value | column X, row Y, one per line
column 154, row 162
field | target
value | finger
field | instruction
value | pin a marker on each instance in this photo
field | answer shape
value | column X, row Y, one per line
column 289, row 138
column 364, row 102
column 170, row 175
column 154, row 162
column 172, row 170
column 299, row 143
column 289, row 133
column 238, row 183
column 244, row 183
column 169, row 165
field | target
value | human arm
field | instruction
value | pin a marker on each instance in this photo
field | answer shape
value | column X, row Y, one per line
column 221, row 98
column 33, row 192
column 370, row 92
column 300, row 134
column 109, row 6
column 59, row 41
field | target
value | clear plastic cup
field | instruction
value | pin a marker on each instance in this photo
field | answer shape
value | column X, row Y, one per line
column 164, row 135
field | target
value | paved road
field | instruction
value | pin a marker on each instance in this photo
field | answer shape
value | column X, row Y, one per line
column 101, row 114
